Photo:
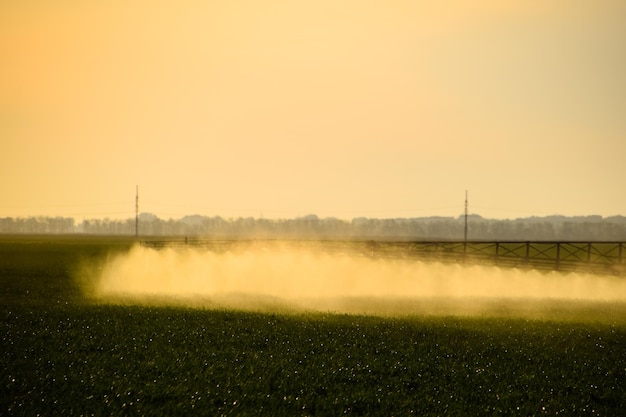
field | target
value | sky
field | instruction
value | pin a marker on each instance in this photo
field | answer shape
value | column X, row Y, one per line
column 284, row 108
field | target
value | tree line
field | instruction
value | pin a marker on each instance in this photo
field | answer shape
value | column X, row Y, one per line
column 311, row 226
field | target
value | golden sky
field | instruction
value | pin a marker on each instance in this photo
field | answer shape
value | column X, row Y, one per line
column 338, row 108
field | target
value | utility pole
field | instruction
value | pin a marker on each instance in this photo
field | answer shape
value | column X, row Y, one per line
column 466, row 206
column 137, row 212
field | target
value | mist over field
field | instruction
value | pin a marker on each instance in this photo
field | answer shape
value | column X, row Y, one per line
column 295, row 280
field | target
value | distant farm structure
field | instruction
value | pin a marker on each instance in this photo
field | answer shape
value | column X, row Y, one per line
column 596, row 257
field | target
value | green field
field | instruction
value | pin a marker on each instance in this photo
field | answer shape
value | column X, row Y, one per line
column 65, row 354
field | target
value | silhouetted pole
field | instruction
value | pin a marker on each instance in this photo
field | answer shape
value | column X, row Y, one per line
column 137, row 212
column 465, row 232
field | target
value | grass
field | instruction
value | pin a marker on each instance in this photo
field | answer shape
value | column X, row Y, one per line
column 63, row 355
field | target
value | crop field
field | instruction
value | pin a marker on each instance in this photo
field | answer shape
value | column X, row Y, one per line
column 85, row 333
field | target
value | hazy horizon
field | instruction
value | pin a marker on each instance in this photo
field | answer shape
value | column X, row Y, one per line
column 341, row 109
column 145, row 215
